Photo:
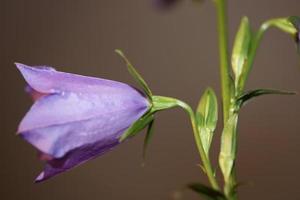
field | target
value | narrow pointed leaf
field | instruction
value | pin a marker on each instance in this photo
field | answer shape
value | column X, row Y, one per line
column 228, row 147
column 148, row 137
column 137, row 126
column 207, row 116
column 205, row 191
column 240, row 51
column 247, row 96
column 135, row 74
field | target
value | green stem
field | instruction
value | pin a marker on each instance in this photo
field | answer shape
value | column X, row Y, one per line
column 226, row 80
column 257, row 40
column 205, row 160
column 224, row 56
column 162, row 103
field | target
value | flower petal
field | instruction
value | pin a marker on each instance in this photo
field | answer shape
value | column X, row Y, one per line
column 47, row 80
column 76, row 157
column 35, row 95
column 66, row 107
column 165, row 3
column 58, row 140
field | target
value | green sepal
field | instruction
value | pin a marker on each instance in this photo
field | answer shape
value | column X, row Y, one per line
column 135, row 74
column 207, row 116
column 207, row 192
column 240, row 53
column 247, row 96
column 137, row 126
column 158, row 103
column 148, row 137
column 228, row 147
column 163, row 103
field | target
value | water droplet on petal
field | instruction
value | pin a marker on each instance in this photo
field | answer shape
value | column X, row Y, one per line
column 45, row 68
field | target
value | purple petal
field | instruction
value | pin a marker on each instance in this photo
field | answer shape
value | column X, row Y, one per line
column 35, row 95
column 298, row 38
column 76, row 143
column 75, row 157
column 75, row 98
column 47, row 80
column 164, row 3
column 57, row 140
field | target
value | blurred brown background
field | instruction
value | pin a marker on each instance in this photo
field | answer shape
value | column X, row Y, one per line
column 176, row 51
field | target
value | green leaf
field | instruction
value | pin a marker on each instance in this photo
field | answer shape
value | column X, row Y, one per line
column 207, row 116
column 207, row 192
column 240, row 52
column 228, row 147
column 247, row 96
column 135, row 74
column 148, row 137
column 137, row 126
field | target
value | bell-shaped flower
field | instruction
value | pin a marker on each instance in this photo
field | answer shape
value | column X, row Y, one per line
column 164, row 3
column 76, row 118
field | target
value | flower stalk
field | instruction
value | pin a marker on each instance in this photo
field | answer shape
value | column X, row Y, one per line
column 226, row 80
column 281, row 23
column 226, row 86
column 205, row 160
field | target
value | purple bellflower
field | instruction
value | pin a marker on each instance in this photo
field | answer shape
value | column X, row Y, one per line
column 164, row 3
column 76, row 118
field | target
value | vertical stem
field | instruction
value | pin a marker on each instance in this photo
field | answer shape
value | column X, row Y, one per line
column 226, row 80
column 224, row 56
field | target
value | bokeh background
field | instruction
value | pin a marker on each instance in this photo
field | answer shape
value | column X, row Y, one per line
column 176, row 52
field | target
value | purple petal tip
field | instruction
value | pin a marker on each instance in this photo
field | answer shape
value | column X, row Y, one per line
column 20, row 66
column 165, row 3
column 40, row 177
